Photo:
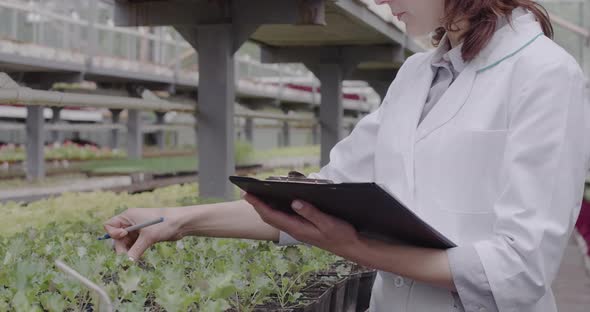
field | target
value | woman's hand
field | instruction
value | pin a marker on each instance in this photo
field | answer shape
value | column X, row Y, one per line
column 137, row 242
column 339, row 237
column 311, row 226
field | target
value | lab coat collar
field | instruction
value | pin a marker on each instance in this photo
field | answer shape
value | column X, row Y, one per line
column 509, row 40
column 444, row 55
column 505, row 43
column 448, row 105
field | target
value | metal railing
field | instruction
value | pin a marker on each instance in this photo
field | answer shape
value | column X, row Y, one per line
column 88, row 39
column 38, row 100
column 162, row 46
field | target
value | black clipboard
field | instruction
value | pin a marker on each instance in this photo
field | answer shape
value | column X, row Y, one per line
column 368, row 207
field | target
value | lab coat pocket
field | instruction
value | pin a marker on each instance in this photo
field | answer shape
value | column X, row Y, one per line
column 467, row 169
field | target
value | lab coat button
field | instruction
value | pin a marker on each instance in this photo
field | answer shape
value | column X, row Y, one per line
column 399, row 281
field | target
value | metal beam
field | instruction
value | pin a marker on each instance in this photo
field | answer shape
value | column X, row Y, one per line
column 10, row 61
column 31, row 97
column 391, row 55
column 6, row 82
column 46, row 80
column 358, row 12
column 368, row 74
column 174, row 13
column 244, row 15
column 202, row 12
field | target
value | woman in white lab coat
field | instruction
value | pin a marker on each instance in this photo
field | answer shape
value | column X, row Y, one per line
column 484, row 138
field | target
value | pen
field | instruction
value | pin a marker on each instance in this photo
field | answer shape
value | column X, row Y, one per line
column 136, row 227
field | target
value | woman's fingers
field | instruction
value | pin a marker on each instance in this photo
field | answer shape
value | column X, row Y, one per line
column 139, row 247
column 311, row 214
column 272, row 217
column 135, row 243
column 116, row 233
column 120, row 246
column 296, row 226
column 115, row 227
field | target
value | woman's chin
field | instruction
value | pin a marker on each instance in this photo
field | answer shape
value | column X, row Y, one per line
column 416, row 33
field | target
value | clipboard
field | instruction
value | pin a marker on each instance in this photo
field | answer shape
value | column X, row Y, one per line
column 369, row 208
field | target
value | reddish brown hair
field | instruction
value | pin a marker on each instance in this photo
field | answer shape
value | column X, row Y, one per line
column 481, row 17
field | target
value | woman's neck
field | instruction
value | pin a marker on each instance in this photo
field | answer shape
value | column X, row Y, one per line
column 453, row 39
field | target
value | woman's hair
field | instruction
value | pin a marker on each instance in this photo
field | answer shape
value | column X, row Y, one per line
column 481, row 17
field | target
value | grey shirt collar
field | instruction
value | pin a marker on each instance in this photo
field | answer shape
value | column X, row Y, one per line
column 445, row 56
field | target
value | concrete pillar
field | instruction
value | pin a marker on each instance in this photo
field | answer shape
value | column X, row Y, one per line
column 315, row 134
column 115, row 116
column 160, row 133
column 215, row 121
column 285, row 134
column 35, row 143
column 249, row 130
column 134, row 134
column 331, row 110
column 56, row 135
column 331, row 65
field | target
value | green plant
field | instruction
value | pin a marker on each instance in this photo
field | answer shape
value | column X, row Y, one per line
column 244, row 152
column 195, row 274
column 11, row 153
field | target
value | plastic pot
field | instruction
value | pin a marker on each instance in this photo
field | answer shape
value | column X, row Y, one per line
column 321, row 301
column 351, row 293
column 338, row 296
column 364, row 293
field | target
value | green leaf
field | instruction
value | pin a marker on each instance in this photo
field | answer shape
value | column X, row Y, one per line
column 53, row 302
column 215, row 306
column 130, row 279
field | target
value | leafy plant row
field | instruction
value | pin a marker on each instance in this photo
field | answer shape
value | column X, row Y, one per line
column 67, row 151
column 195, row 274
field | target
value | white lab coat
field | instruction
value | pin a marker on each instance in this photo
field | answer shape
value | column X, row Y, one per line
column 499, row 164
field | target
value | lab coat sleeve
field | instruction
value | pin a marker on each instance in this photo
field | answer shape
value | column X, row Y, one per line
column 470, row 280
column 542, row 182
column 352, row 159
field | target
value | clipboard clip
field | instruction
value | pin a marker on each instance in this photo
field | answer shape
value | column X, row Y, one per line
column 298, row 177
